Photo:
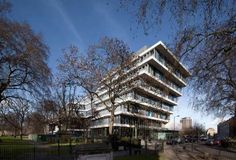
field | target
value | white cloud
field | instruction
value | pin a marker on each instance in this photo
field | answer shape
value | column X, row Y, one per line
column 67, row 20
column 171, row 125
column 110, row 20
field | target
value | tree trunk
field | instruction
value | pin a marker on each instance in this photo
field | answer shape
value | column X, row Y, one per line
column 21, row 130
column 111, row 123
column 15, row 131
column 52, row 129
column 21, row 134
column 86, row 136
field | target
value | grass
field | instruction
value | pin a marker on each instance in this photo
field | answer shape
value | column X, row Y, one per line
column 13, row 148
column 16, row 149
column 13, row 140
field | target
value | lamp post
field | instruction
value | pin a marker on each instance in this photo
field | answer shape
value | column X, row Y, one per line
column 174, row 121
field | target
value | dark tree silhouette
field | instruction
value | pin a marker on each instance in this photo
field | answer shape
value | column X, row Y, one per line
column 23, row 55
column 15, row 113
column 205, row 41
column 101, row 69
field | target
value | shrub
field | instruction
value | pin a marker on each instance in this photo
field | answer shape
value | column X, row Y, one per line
column 225, row 143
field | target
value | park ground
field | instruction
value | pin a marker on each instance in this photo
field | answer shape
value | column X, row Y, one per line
column 14, row 148
column 197, row 151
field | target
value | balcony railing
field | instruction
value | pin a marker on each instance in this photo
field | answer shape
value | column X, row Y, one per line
column 162, row 78
column 161, row 60
column 155, row 89
column 168, row 65
column 154, row 103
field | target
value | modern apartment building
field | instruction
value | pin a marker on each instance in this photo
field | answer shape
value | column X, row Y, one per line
column 186, row 123
column 145, row 107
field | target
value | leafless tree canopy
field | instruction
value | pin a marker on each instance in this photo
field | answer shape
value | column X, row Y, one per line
column 48, row 110
column 15, row 112
column 36, row 123
column 205, row 41
column 66, row 102
column 100, row 69
column 197, row 130
column 23, row 55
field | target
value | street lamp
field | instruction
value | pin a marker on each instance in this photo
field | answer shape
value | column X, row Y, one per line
column 174, row 121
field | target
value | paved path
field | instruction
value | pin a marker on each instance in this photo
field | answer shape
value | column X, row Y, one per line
column 195, row 152
column 215, row 153
column 174, row 152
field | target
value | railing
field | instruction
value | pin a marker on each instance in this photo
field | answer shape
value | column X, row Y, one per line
column 155, row 103
column 163, row 79
column 154, row 89
column 169, row 66
column 30, row 150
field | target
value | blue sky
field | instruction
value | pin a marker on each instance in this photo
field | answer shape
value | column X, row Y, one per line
column 83, row 22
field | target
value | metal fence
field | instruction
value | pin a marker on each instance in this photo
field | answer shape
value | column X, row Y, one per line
column 61, row 149
column 35, row 151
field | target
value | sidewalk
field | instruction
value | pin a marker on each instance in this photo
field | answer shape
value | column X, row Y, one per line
column 168, row 154
column 176, row 152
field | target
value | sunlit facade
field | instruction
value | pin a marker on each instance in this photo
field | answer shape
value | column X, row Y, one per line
column 144, row 108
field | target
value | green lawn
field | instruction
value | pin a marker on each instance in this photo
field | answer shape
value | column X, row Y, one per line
column 13, row 140
column 13, row 148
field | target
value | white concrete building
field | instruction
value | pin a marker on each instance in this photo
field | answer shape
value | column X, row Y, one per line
column 157, row 79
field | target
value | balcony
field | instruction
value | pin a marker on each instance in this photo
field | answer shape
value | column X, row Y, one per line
column 148, row 102
column 161, row 60
column 155, row 91
column 166, row 65
column 161, row 80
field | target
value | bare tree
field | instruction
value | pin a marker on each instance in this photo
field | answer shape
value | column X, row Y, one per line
column 15, row 113
column 66, row 101
column 47, row 110
column 36, row 123
column 6, row 128
column 11, row 124
column 205, row 41
column 70, row 68
column 197, row 130
column 102, row 69
column 23, row 57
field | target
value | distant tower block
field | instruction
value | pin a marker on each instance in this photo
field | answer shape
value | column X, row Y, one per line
column 186, row 123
